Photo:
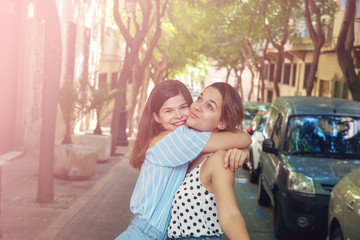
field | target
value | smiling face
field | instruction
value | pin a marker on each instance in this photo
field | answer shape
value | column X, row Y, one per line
column 173, row 113
column 205, row 112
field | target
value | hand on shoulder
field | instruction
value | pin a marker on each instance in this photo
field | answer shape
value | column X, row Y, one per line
column 216, row 161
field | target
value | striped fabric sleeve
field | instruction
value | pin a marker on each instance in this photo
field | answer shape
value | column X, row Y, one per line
column 178, row 147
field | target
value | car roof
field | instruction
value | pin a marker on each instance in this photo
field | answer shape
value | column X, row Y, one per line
column 256, row 103
column 302, row 105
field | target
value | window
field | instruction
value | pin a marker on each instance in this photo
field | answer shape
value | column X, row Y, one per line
column 307, row 70
column 102, row 80
column 265, row 71
column 272, row 68
column 287, row 68
column 320, row 135
column 324, row 88
column 113, row 80
column 337, row 89
column 270, row 96
column 294, row 75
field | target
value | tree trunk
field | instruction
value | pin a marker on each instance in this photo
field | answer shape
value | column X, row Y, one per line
column 262, row 64
column 144, row 90
column 238, row 73
column 311, row 78
column 120, row 100
column 252, row 82
column 344, row 48
column 134, row 44
column 51, row 85
column 135, row 90
column 279, row 45
column 278, row 70
column 228, row 71
column 318, row 38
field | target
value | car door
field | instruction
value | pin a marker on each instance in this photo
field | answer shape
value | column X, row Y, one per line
column 352, row 211
column 270, row 161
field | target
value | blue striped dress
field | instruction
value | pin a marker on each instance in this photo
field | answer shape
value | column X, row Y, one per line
column 162, row 172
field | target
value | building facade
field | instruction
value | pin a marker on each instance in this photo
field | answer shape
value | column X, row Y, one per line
column 329, row 77
column 22, row 63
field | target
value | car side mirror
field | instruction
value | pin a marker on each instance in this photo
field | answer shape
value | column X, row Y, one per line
column 268, row 146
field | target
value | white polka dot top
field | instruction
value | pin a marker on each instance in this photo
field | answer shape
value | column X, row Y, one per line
column 193, row 210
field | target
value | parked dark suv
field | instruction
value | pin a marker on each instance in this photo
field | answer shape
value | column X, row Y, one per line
column 310, row 144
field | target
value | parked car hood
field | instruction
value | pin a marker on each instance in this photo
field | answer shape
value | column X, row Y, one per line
column 322, row 169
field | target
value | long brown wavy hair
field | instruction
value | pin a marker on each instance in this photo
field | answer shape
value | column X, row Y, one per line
column 232, row 110
column 148, row 127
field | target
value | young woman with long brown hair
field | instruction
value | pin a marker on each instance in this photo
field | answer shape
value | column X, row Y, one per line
column 162, row 151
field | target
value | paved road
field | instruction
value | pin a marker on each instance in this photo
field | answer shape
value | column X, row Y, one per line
column 107, row 214
column 259, row 220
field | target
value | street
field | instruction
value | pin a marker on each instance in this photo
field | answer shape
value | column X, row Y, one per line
column 108, row 213
column 259, row 220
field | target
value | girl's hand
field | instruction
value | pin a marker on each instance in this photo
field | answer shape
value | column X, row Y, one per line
column 235, row 158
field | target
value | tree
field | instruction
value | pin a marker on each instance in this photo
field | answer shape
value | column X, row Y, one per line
column 316, row 9
column 145, row 57
column 277, row 28
column 133, row 44
column 344, row 47
column 52, row 69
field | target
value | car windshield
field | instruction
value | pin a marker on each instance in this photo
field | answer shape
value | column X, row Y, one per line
column 323, row 135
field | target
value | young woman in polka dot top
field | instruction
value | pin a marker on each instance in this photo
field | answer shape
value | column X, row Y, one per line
column 162, row 151
column 204, row 206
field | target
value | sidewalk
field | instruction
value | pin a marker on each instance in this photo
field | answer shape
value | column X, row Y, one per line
column 22, row 218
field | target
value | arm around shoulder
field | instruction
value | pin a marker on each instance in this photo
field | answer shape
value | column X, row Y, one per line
column 226, row 140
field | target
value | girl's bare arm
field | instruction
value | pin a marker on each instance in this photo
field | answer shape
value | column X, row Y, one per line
column 230, row 217
column 227, row 140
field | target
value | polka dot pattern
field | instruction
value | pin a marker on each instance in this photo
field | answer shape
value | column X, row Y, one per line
column 193, row 212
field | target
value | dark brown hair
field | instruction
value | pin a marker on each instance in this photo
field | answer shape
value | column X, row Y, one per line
column 148, row 127
column 232, row 110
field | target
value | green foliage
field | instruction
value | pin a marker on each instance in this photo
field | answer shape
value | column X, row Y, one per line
column 98, row 99
column 277, row 14
column 70, row 107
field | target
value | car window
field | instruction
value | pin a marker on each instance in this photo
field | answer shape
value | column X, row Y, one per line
column 255, row 122
column 269, row 125
column 323, row 134
column 277, row 131
column 262, row 122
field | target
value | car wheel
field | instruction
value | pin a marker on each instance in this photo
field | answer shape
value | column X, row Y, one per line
column 254, row 173
column 280, row 229
column 263, row 197
column 337, row 235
